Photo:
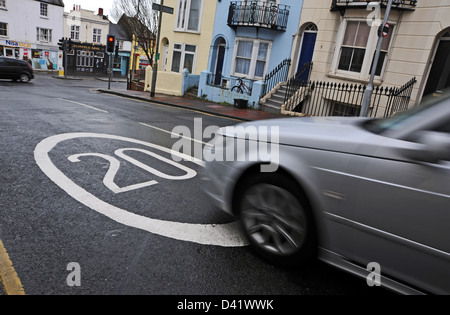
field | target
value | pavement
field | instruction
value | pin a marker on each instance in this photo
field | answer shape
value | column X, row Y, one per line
column 187, row 101
column 194, row 103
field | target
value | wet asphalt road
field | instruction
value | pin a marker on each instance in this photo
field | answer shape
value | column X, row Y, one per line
column 45, row 228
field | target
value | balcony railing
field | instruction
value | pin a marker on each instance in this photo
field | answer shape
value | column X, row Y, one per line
column 258, row 14
column 342, row 5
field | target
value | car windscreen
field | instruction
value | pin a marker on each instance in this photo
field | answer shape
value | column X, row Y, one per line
column 379, row 126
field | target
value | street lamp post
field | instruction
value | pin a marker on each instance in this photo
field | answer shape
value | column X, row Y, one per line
column 155, row 63
column 369, row 90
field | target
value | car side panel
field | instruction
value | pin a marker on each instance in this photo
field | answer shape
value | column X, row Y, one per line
column 325, row 190
column 402, row 212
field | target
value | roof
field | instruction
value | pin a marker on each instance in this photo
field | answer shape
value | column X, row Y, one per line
column 120, row 32
column 54, row 2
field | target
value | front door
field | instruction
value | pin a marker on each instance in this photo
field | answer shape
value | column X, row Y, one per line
column 219, row 65
column 306, row 53
column 165, row 55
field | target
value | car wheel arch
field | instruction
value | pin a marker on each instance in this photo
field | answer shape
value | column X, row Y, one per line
column 302, row 191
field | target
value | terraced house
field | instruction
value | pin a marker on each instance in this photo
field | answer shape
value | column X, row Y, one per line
column 251, row 39
column 184, row 44
column 342, row 38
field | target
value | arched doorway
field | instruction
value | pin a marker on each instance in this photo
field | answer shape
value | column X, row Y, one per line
column 220, row 47
column 306, row 51
column 165, row 54
column 439, row 77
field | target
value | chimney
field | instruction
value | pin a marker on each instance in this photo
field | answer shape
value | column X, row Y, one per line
column 100, row 11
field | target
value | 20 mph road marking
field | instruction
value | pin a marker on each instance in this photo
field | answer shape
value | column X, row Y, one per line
column 226, row 235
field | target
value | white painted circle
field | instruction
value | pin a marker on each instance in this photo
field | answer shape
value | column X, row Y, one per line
column 226, row 235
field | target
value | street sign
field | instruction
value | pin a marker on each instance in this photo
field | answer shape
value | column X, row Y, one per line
column 386, row 29
column 165, row 9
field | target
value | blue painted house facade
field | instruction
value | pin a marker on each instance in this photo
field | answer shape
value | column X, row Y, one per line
column 251, row 38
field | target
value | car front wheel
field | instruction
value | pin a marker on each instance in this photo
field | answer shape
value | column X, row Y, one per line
column 277, row 220
column 24, row 78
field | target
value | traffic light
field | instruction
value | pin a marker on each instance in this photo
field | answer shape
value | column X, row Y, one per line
column 69, row 44
column 62, row 43
column 110, row 43
column 116, row 53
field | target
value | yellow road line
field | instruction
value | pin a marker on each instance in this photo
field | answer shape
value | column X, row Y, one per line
column 8, row 276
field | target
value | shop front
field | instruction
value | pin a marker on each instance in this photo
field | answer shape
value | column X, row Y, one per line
column 88, row 59
column 121, row 64
column 40, row 57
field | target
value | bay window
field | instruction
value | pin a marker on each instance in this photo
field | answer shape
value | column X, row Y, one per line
column 250, row 58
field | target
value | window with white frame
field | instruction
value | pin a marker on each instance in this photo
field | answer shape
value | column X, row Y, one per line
column 44, row 9
column 251, row 58
column 2, row 3
column 85, row 58
column 184, row 56
column 97, row 35
column 3, row 29
column 43, row 35
column 356, row 50
column 75, row 32
column 189, row 15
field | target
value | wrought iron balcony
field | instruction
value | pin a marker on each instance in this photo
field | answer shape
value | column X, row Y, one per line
column 258, row 14
column 342, row 5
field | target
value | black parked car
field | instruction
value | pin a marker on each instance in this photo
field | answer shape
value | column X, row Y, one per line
column 15, row 70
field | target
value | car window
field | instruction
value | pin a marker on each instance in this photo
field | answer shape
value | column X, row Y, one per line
column 397, row 121
column 9, row 62
column 445, row 127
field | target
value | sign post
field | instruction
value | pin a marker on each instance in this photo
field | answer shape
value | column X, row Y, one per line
column 161, row 8
column 381, row 35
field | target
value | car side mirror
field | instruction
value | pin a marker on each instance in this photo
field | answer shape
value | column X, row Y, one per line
column 430, row 147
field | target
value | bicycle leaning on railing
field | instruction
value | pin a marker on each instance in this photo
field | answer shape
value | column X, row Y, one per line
column 241, row 87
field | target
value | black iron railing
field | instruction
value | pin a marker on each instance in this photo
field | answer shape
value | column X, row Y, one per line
column 258, row 14
column 297, row 81
column 316, row 98
column 396, row 5
column 277, row 75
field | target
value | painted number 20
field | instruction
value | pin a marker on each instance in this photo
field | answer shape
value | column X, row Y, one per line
column 114, row 165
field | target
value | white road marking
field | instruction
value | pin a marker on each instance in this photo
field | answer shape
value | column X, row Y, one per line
column 226, row 235
column 88, row 106
column 108, row 180
column 174, row 134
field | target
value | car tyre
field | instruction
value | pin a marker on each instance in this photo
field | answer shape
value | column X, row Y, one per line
column 277, row 220
column 24, row 78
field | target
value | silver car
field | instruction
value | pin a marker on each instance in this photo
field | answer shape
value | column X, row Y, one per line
column 369, row 196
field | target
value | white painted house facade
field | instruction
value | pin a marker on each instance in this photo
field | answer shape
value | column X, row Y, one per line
column 30, row 30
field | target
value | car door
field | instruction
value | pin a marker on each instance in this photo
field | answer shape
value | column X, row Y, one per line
column 9, row 69
column 3, row 68
column 402, row 215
